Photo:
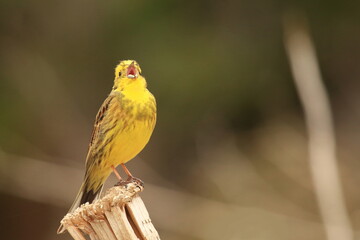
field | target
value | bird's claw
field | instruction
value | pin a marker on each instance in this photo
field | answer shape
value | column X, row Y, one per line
column 135, row 180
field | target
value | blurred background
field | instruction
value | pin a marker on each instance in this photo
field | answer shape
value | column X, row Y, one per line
column 228, row 158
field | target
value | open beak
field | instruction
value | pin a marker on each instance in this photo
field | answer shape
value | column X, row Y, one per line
column 132, row 72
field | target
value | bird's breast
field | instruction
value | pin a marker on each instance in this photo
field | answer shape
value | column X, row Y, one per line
column 137, row 118
column 138, row 105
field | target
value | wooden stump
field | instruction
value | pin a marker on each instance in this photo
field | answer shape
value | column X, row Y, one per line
column 119, row 215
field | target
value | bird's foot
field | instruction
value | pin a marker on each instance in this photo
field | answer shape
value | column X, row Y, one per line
column 121, row 183
column 135, row 180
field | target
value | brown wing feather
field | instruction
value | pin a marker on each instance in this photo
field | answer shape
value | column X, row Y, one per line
column 96, row 133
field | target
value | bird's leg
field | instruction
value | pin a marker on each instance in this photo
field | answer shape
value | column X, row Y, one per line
column 116, row 173
column 131, row 178
column 127, row 171
column 121, row 182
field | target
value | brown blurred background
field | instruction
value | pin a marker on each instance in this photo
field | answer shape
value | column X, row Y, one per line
column 228, row 158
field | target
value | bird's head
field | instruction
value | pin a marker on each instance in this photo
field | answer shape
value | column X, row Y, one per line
column 128, row 72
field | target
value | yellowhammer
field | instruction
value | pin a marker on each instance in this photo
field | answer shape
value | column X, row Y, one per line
column 122, row 128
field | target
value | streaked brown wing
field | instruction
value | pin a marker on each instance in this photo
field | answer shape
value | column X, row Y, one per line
column 98, row 131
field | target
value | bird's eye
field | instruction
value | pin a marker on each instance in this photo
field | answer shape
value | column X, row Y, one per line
column 119, row 74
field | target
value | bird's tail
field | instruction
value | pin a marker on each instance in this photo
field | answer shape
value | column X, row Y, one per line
column 82, row 197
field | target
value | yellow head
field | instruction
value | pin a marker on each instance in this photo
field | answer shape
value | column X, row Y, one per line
column 128, row 74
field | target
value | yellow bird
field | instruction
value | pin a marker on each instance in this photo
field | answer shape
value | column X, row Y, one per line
column 122, row 128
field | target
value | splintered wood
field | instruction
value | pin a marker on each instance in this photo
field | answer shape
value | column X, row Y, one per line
column 119, row 215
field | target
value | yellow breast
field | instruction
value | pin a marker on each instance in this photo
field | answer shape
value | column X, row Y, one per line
column 137, row 119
